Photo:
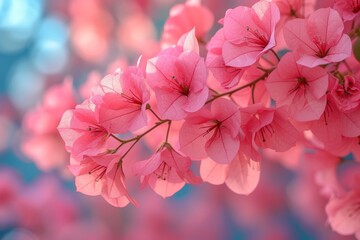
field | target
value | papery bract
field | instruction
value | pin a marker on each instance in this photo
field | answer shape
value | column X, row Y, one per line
column 123, row 110
column 300, row 88
column 241, row 175
column 102, row 174
column 270, row 127
column 249, row 33
column 318, row 39
column 178, row 77
column 212, row 132
column 115, row 191
column 81, row 130
column 228, row 76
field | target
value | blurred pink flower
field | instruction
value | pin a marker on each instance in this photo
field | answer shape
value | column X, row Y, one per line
column 183, row 18
column 42, row 142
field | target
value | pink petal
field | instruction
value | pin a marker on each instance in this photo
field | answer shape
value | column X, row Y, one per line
column 196, row 100
column 350, row 123
column 325, row 25
column 269, row 16
column 297, row 38
column 312, row 61
column 168, row 187
column 222, row 147
column 244, row 175
column 147, row 167
column 307, row 109
column 193, row 70
column 240, row 55
column 189, row 42
column 341, row 50
column 328, row 127
column 213, row 172
column 280, row 135
column 192, row 139
column 86, row 184
column 228, row 114
column 170, row 105
column 115, row 185
column 121, row 201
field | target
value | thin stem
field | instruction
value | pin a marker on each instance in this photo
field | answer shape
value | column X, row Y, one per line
column 138, row 137
column 275, row 54
column 168, row 131
column 253, row 93
column 127, row 151
column 214, row 91
column 148, row 107
column 267, row 60
column 239, row 88
column 116, row 138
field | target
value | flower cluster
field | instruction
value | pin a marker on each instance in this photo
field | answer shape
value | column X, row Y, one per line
column 276, row 75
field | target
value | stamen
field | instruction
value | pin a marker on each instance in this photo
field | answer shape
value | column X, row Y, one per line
column 162, row 171
column 255, row 37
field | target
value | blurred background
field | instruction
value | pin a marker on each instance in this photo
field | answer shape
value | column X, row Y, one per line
column 43, row 42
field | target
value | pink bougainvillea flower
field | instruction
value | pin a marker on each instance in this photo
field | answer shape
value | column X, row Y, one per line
column 101, row 175
column 166, row 171
column 46, row 116
column 319, row 39
column 242, row 175
column 115, row 191
column 346, row 91
column 183, row 18
column 228, row 76
column 300, row 88
column 123, row 110
column 178, row 77
column 270, row 127
column 349, row 9
column 46, row 150
column 212, row 132
column 249, row 33
column 42, row 142
column 81, row 130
